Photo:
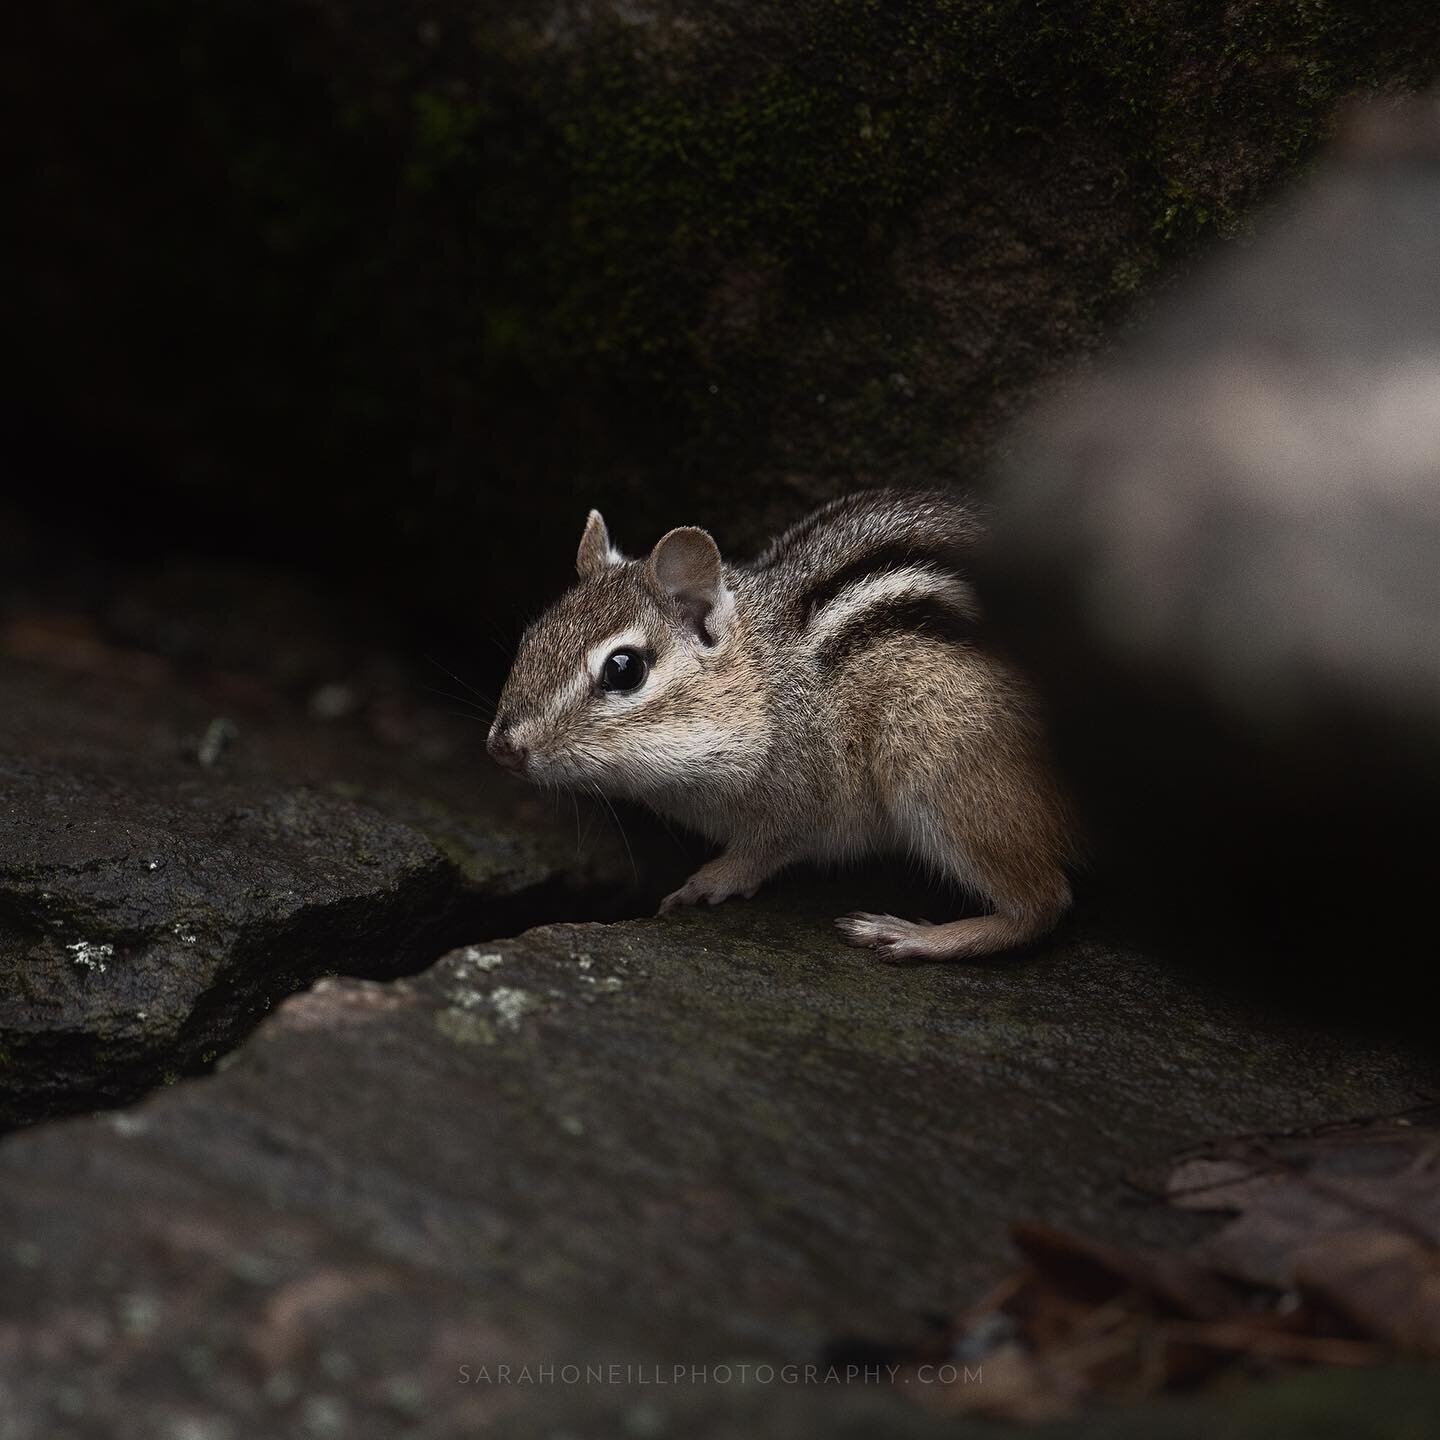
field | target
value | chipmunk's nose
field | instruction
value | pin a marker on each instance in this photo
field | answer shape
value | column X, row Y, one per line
column 503, row 749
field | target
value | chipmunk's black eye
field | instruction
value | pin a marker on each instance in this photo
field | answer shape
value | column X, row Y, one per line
column 624, row 670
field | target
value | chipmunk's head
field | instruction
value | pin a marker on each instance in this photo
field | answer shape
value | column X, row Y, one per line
column 616, row 686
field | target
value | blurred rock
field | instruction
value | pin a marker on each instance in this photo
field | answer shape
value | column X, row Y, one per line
column 1221, row 556
column 718, row 1139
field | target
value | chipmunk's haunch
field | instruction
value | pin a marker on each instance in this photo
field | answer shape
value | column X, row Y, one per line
column 826, row 701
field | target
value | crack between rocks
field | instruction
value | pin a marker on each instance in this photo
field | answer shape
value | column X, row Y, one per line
column 433, row 914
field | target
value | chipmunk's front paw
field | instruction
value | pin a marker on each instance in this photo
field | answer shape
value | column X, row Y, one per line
column 890, row 938
column 709, row 885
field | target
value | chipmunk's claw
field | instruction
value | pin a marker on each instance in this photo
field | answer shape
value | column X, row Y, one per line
column 890, row 938
column 709, row 885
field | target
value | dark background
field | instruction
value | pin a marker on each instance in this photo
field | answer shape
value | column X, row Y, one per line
column 390, row 294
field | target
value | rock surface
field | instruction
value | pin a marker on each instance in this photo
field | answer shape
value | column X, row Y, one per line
column 716, row 1138
column 168, row 872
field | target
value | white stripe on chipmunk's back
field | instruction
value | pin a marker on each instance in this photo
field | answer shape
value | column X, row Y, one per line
column 871, row 591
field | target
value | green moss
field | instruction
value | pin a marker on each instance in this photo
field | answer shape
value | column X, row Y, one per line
column 681, row 173
column 464, row 1028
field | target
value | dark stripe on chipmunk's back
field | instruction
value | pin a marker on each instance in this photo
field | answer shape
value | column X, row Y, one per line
column 931, row 616
column 899, row 555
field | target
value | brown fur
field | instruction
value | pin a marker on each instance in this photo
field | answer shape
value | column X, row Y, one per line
column 955, row 733
column 830, row 700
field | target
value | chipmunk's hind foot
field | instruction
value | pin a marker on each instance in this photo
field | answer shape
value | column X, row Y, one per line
column 916, row 941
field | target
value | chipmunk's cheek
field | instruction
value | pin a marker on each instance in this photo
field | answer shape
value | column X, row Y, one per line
column 553, row 761
column 551, row 770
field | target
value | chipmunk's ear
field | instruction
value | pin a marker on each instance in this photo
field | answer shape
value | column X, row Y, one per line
column 596, row 554
column 685, row 568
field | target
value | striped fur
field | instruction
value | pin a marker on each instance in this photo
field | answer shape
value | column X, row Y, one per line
column 921, row 613
column 839, row 700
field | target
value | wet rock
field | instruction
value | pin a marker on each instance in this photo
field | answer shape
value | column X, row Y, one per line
column 1219, row 557
column 167, row 873
column 720, row 1138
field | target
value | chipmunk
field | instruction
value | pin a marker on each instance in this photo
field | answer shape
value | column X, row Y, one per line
column 826, row 701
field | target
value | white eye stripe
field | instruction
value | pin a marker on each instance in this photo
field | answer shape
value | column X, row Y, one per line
column 657, row 682
column 597, row 655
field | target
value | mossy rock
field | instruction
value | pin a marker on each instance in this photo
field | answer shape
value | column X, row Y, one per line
column 715, row 1138
column 152, row 909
